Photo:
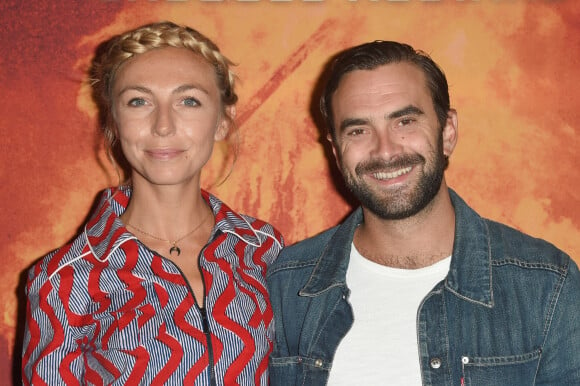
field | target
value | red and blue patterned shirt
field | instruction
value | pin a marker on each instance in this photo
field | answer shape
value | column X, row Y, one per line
column 105, row 309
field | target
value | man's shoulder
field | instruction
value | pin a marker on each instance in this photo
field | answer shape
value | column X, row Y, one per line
column 303, row 253
column 509, row 243
column 312, row 243
column 505, row 243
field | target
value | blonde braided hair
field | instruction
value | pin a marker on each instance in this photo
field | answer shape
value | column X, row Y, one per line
column 111, row 54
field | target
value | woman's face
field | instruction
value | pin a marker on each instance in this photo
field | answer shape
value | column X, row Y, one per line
column 168, row 112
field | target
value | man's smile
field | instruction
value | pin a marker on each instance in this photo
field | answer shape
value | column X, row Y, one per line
column 391, row 175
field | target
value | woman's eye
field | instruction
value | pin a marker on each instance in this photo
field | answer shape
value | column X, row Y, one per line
column 136, row 102
column 192, row 102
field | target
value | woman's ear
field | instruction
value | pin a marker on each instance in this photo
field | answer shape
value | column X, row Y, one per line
column 226, row 121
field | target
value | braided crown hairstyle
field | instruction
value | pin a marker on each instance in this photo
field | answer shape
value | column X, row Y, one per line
column 111, row 54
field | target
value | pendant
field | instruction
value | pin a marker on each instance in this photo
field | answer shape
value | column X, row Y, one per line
column 175, row 249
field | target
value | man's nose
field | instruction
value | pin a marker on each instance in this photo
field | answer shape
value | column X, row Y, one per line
column 387, row 144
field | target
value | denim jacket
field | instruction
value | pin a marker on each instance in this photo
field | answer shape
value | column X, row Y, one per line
column 508, row 312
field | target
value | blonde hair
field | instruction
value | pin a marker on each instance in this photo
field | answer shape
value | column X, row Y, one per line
column 111, row 54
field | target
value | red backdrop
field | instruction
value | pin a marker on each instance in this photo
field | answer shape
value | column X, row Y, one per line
column 513, row 71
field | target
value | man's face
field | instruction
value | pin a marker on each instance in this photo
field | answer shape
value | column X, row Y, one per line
column 389, row 145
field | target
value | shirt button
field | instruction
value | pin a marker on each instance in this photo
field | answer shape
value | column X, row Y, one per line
column 318, row 363
column 435, row 363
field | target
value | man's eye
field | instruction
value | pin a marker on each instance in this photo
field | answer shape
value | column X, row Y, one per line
column 192, row 102
column 136, row 102
column 355, row 132
column 406, row 121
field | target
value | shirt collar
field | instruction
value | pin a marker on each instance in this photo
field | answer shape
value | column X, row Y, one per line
column 228, row 221
column 470, row 270
column 105, row 232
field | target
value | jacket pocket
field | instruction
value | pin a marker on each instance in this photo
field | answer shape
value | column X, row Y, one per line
column 500, row 370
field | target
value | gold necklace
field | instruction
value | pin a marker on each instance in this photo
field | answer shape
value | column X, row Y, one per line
column 174, row 247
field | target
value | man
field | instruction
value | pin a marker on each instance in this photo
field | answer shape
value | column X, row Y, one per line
column 414, row 287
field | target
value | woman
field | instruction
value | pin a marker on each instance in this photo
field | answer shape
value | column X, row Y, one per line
column 166, row 283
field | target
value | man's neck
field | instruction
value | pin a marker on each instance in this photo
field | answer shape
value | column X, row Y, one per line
column 411, row 243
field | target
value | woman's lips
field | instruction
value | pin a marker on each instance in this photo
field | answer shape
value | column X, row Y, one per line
column 164, row 154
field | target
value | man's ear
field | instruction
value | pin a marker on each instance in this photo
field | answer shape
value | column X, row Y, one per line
column 450, row 133
column 334, row 149
column 226, row 122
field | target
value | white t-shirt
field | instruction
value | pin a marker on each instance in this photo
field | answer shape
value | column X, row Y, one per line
column 381, row 347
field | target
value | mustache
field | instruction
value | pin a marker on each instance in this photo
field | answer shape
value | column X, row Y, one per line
column 379, row 165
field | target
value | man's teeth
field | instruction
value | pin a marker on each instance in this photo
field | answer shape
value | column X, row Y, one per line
column 396, row 173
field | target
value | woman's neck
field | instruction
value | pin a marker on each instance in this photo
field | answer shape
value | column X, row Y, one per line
column 167, row 212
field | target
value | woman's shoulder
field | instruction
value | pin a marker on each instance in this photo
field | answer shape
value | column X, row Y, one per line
column 241, row 222
column 44, row 269
column 264, row 228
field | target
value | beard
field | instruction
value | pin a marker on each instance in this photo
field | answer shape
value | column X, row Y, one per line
column 404, row 201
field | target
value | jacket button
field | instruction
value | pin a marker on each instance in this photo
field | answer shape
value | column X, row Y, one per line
column 318, row 363
column 435, row 363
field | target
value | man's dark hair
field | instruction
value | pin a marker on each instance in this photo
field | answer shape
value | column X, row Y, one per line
column 371, row 55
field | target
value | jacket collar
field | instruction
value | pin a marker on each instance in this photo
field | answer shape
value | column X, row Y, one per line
column 105, row 232
column 330, row 270
column 470, row 270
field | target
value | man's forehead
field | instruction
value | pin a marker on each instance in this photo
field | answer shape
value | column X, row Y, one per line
column 381, row 82
column 386, row 73
column 383, row 85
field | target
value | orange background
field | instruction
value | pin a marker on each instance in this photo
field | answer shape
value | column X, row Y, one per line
column 512, row 67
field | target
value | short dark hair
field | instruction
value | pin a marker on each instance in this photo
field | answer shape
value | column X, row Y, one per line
column 369, row 56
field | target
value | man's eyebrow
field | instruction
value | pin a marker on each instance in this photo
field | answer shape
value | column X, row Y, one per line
column 352, row 122
column 408, row 110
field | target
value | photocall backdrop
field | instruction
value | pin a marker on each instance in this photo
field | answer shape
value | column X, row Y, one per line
column 512, row 67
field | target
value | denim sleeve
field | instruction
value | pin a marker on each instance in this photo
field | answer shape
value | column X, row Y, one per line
column 560, row 361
